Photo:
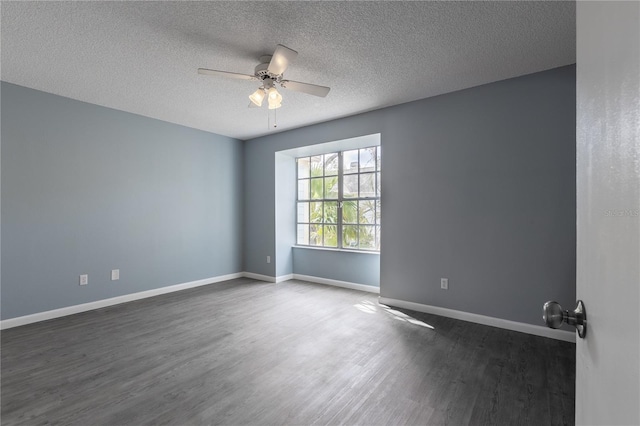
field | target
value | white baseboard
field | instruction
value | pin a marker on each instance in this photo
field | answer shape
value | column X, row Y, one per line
column 259, row 277
column 282, row 278
column 336, row 283
column 310, row 278
column 465, row 316
column 536, row 330
column 75, row 309
column 268, row 278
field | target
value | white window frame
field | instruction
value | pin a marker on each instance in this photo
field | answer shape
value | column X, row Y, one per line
column 360, row 199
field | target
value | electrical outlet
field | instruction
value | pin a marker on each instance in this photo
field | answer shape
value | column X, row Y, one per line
column 444, row 283
column 84, row 279
column 268, row 259
column 115, row 274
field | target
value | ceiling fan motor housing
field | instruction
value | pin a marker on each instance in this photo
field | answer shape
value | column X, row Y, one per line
column 262, row 70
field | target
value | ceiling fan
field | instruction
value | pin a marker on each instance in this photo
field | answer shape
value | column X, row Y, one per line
column 270, row 72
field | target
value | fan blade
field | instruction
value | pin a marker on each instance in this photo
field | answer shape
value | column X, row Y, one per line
column 252, row 105
column 281, row 59
column 310, row 89
column 226, row 74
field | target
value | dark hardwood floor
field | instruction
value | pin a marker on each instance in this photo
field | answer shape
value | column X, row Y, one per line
column 246, row 352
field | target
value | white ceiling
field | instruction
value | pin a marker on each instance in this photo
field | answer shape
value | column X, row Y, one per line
column 142, row 57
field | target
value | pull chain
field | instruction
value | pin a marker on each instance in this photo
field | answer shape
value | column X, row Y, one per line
column 275, row 119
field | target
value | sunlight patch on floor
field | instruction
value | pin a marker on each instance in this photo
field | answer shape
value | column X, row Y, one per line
column 369, row 307
column 366, row 306
column 404, row 317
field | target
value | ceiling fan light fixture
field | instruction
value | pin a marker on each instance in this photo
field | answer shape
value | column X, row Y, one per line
column 269, row 72
column 257, row 97
column 274, row 98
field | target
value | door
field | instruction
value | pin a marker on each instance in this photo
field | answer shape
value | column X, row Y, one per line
column 608, row 217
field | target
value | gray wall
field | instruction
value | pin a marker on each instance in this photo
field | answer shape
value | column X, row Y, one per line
column 479, row 187
column 359, row 268
column 87, row 189
column 285, row 205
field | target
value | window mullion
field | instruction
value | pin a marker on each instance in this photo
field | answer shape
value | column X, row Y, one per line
column 357, row 198
column 340, row 199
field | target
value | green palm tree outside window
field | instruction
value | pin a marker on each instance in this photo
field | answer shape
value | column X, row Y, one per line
column 339, row 199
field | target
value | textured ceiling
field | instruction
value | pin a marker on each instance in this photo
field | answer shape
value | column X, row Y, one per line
column 142, row 57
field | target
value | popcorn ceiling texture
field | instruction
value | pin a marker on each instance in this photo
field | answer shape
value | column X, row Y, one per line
column 142, row 57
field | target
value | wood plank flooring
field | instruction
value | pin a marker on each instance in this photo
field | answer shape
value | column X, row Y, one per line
column 247, row 352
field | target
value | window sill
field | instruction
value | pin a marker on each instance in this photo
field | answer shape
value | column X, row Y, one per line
column 336, row 250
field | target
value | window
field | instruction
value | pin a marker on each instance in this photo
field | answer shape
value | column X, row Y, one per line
column 339, row 199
